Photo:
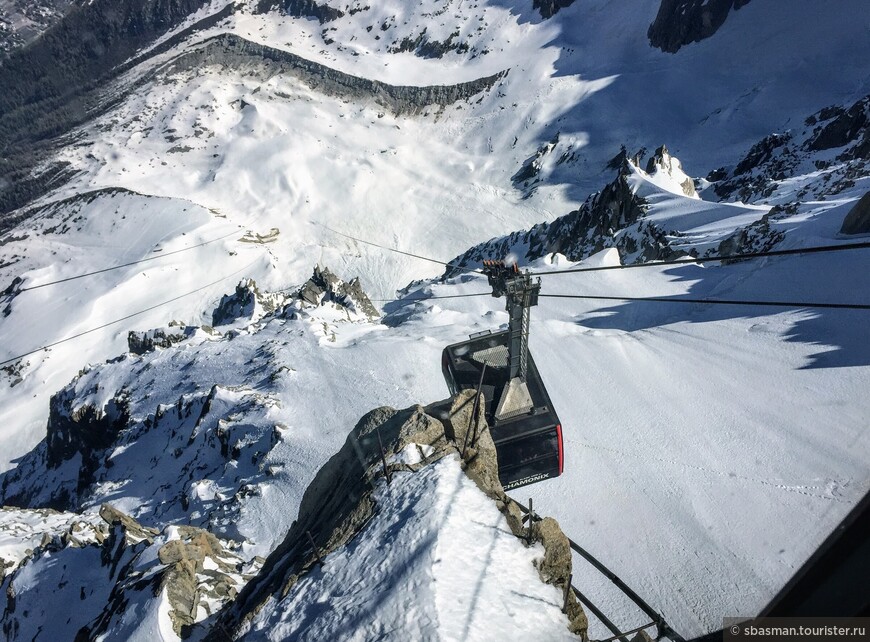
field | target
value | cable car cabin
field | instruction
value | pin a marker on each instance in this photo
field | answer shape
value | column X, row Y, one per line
column 529, row 445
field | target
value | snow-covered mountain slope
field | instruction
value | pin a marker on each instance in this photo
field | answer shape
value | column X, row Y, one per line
column 282, row 146
column 712, row 446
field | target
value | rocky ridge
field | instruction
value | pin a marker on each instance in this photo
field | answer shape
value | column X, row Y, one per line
column 342, row 501
column 830, row 153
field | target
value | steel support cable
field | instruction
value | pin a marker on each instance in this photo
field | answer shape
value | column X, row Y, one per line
column 712, row 259
column 664, row 627
column 123, row 265
column 391, row 249
column 124, row 318
column 430, row 298
column 658, row 299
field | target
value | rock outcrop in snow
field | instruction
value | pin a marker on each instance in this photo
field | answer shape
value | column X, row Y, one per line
column 613, row 217
column 857, row 221
column 831, row 152
column 246, row 305
column 682, row 22
column 124, row 579
column 325, row 288
column 394, row 524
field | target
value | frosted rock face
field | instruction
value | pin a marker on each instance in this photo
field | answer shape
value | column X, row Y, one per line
column 681, row 22
column 324, row 288
column 170, row 579
column 247, row 304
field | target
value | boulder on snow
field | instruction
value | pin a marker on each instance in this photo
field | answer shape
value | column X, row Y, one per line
column 857, row 221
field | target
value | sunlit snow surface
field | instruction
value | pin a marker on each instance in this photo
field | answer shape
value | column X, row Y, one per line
column 437, row 561
column 708, row 449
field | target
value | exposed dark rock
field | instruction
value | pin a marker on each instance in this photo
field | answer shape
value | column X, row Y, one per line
column 527, row 174
column 761, row 152
column 236, row 52
column 781, row 155
column 426, row 48
column 246, row 303
column 325, row 287
column 612, row 217
column 301, row 9
column 857, row 221
column 757, row 237
column 681, row 22
column 549, row 8
column 845, row 127
column 140, row 342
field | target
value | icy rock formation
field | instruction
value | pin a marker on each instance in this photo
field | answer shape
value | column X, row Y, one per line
column 603, row 221
column 246, row 305
column 857, row 221
column 122, row 581
column 325, row 288
column 350, row 507
column 832, row 150
column 140, row 342
column 681, row 22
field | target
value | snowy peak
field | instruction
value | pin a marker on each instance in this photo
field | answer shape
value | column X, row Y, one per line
column 666, row 171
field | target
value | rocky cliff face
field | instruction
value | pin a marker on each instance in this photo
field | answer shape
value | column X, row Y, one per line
column 682, row 22
column 235, row 52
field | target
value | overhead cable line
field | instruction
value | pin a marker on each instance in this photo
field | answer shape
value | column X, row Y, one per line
column 391, row 249
column 124, row 318
column 780, row 304
column 123, row 265
column 430, row 298
column 714, row 258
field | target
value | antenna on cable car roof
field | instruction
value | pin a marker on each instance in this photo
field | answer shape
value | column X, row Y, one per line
column 521, row 293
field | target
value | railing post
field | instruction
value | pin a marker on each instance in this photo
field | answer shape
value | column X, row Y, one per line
column 383, row 457
column 314, row 546
column 531, row 521
column 567, row 592
column 475, row 408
